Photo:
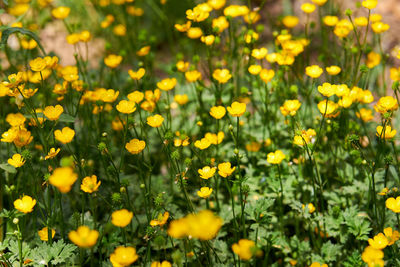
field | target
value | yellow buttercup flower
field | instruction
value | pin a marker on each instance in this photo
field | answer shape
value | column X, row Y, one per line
column 194, row 32
column 217, row 112
column 395, row 74
column 16, row 160
column 208, row 39
column 182, row 66
column 23, row 138
column 197, row 14
column 310, row 207
column 192, row 76
column 361, row 21
column 385, row 104
column 37, row 64
column 160, row 264
column 60, row 12
column 53, row 112
column 84, row 237
column 392, row 236
column 202, row 143
column 204, row 192
column 65, row 135
column 216, row 4
column 365, row 114
column 330, row 20
column 319, row 2
column 225, row 169
column 388, row 133
column 136, row 97
column 63, row 178
column 183, row 27
column 123, row 256
column 161, row 219
column 343, row 28
column 379, row 241
column 236, row 11
column 144, row 51
column 290, row 21
column 44, row 234
column 307, row 8
column 121, row 218
column 25, row 204
column 275, row 157
column 370, row 4
column 155, row 121
column 393, row 204
column 259, row 53
column 220, row 24
column 52, row 153
column 181, row 99
column 380, row 27
column 317, row 264
column 254, row 69
column 90, row 184
column 215, row 139
column 373, row 257
column 333, row 70
column 314, row 71
column 112, row 61
column 266, row 75
column 290, row 107
column 222, row 75
column 328, row 108
column 244, row 249
column 375, row 17
column 135, row 146
column 15, row 119
column 167, row 84
column 237, row 109
column 137, row 75
column 126, row 107
column 373, row 59
column 206, row 172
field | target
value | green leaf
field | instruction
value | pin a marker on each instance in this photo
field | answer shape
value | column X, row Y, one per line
column 7, row 32
column 8, row 168
column 66, row 118
column 330, row 252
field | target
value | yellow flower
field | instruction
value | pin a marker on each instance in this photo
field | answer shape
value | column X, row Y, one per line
column 290, row 107
column 112, row 61
column 182, row 66
column 60, row 12
column 393, row 204
column 361, row 21
column 259, row 53
column 244, row 249
column 220, row 24
column 25, row 204
column 23, row 138
column 192, row 76
column 385, row 104
column 181, row 99
column 379, row 242
column 314, row 71
column 160, row 264
column 137, row 75
column 290, row 21
column 155, row 121
column 123, row 256
column 202, row 144
column 252, row 17
column 253, row 146
column 317, row 264
column 63, row 178
column 372, row 256
column 387, row 134
column 183, row 27
column 216, row 4
column 52, row 153
column 267, row 75
column 167, row 84
column 236, row 11
column 126, row 107
column 222, row 75
column 375, row 17
column 373, row 59
column 136, row 97
column 65, row 135
column 319, row 2
column 208, row 39
column 343, row 28
column 395, row 74
column 237, row 109
column 17, row 160
column 90, row 184
column 310, row 207
column 84, row 237
column 119, row 30
column 197, row 14
column 308, row 8
column 392, row 236
column 330, row 20
column 370, row 4
column 304, row 138
column 204, row 192
column 225, row 170
column 194, row 33
column 327, row 108
column 15, row 119
column 121, row 218
column 53, row 112
column 217, row 112
column 380, row 27
column 161, row 219
column 44, row 234
column 215, row 139
column 135, row 146
column 254, row 69
column 38, row 64
column 365, row 114
column 333, row 70
column 275, row 157
column 206, row 172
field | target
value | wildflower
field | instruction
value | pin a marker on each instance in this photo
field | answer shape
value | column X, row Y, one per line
column 330, row 20
column 208, row 39
column 254, row 69
column 314, row 71
column 44, row 234
column 317, row 264
column 112, row 61
column 385, row 104
column 310, row 207
column 220, row 24
column 373, row 59
column 290, row 107
column 143, row 51
column 216, row 4
column 192, row 76
column 373, row 257
column 222, row 75
column 319, row 2
column 121, row 218
column 343, row 28
column 202, row 144
column 215, row 139
column 393, row 204
column 259, row 53
column 155, row 121
column 167, row 84
column 65, row 135
column 90, row 184
column 308, row 8
column 197, row 14
column 244, row 249
column 225, row 169
column 206, row 172
column 60, row 12
column 119, row 30
column 183, row 27
column 361, row 21
column 327, row 108
column 137, row 75
column 123, row 256
column 379, row 241
column 236, row 11
column 275, row 157
column 217, row 112
column 395, row 74
column 365, row 114
column 267, row 75
column 16, row 161
column 290, row 21
column 237, row 109
column 380, row 27
column 135, row 146
column 15, row 119
column 23, row 138
column 392, row 236
column 182, row 66
column 126, row 107
column 161, row 219
column 194, row 33
column 370, row 4
column 84, row 237
column 253, row 146
column 160, row 264
column 384, row 191
column 63, row 178
column 204, row 192
column 388, row 133
column 38, row 64
column 333, row 70
column 25, row 204
column 53, row 112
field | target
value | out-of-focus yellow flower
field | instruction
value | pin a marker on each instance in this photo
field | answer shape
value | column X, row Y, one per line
column 137, row 75
column 373, row 257
column 259, row 53
column 254, row 69
column 328, row 108
column 267, row 74
column 220, row 24
column 144, row 51
column 326, row 89
column 310, row 207
column 317, row 264
column 237, row 109
column 314, row 71
column 275, row 157
column 319, row 2
column 252, row 17
column 385, row 104
column 215, row 139
column 193, row 75
column 307, row 8
column 126, row 107
column 181, row 99
column 236, row 11
column 183, row 27
column 206, row 172
column 160, row 264
column 370, row 4
column 182, row 66
column 52, row 153
column 388, row 133
column 290, row 107
column 63, row 178
column 304, row 138
column 25, row 204
column 16, row 160
column 380, row 27
column 204, row 192
column 90, row 184
column 198, row 14
column 44, row 234
column 365, row 114
column 84, row 237
column 375, row 17
column 135, row 146
column 225, row 169
column 194, row 32
column 121, row 218
column 167, row 84
column 290, row 21
column 244, row 249
column 373, row 59
column 155, row 121
column 53, row 112
column 333, row 70
column 216, row 4
column 361, row 21
column 112, row 61
column 60, row 12
column 330, row 20
column 23, row 138
column 119, row 30
column 222, row 75
column 161, row 219
column 136, row 97
column 123, row 256
column 393, row 204
column 343, row 28
column 208, row 39
column 395, row 74
column 65, row 135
